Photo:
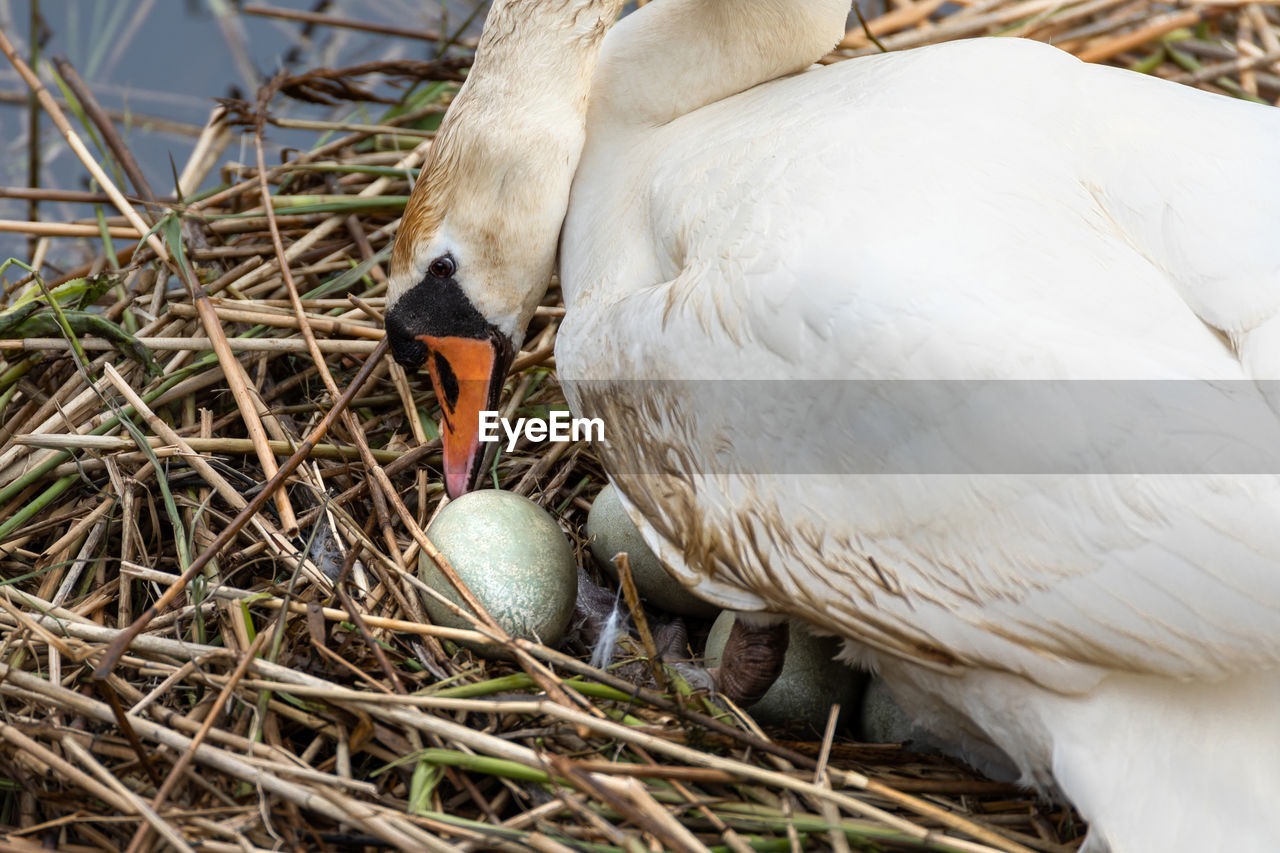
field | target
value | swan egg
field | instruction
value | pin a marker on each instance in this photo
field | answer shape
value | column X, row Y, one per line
column 812, row 680
column 513, row 557
column 611, row 532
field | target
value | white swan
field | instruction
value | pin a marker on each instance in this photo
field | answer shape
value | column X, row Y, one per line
column 978, row 210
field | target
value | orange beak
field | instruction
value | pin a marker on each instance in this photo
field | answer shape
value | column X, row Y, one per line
column 467, row 375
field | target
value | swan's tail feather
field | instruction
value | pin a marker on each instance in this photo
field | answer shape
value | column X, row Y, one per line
column 1158, row 765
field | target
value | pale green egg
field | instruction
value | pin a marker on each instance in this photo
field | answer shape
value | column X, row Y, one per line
column 812, row 680
column 884, row 721
column 611, row 532
column 513, row 557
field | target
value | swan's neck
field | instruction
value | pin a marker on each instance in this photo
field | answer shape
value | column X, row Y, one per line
column 667, row 60
column 673, row 56
column 540, row 52
column 511, row 140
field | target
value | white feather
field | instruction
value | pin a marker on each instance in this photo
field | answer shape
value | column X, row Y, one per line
column 976, row 210
column 613, row 631
column 985, row 210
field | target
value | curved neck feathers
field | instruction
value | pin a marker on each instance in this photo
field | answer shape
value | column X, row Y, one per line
column 537, row 51
column 513, row 135
column 674, row 56
column 668, row 59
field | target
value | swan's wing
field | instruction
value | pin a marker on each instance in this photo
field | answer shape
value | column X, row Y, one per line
column 966, row 187
column 1163, row 575
column 951, row 219
column 1192, row 180
column 1057, row 577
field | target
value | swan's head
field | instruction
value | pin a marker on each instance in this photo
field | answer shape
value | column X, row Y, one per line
column 471, row 262
column 475, row 250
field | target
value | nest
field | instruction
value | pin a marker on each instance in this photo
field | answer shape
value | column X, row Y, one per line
column 213, row 487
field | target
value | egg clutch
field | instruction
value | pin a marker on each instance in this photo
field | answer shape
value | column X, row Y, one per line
column 516, row 560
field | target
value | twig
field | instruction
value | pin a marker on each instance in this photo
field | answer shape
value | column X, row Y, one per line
column 185, row 758
column 168, row 344
column 121, row 643
column 77, row 146
column 622, row 562
column 345, row 23
column 136, row 805
column 194, row 446
column 1156, row 27
column 105, row 126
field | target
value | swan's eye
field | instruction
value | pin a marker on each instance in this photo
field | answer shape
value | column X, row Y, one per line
column 442, row 267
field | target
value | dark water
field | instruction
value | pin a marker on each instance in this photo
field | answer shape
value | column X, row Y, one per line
column 168, row 59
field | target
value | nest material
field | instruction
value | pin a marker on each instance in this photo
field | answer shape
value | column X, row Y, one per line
column 307, row 701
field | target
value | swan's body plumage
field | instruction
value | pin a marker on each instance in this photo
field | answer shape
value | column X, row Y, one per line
column 803, row 260
column 977, row 210
column 985, row 210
